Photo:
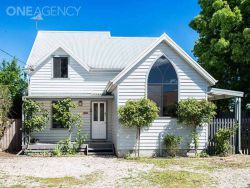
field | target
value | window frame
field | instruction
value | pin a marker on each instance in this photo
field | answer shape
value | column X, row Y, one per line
column 178, row 82
column 52, row 67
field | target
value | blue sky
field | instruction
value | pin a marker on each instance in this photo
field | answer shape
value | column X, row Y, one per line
column 121, row 17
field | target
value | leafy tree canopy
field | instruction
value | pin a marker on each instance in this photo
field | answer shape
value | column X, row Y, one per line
column 194, row 113
column 138, row 113
column 12, row 76
column 223, row 47
column 5, row 104
column 64, row 115
column 35, row 117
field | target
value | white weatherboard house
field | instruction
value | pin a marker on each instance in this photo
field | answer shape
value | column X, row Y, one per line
column 100, row 73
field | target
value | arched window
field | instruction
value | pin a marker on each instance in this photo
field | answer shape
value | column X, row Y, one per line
column 163, row 86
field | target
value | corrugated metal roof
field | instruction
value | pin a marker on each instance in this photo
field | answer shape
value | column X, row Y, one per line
column 97, row 50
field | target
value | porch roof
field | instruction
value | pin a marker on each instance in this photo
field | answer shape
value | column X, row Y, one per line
column 73, row 96
column 217, row 94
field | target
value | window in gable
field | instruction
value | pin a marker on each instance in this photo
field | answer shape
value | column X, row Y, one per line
column 163, row 86
column 60, row 67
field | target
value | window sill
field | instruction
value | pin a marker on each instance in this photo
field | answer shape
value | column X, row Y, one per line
column 166, row 117
column 60, row 78
column 59, row 129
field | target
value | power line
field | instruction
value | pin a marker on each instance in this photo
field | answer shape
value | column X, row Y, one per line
column 12, row 56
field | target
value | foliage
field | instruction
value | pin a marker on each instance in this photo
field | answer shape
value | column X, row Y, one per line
column 203, row 154
column 172, row 178
column 224, row 42
column 195, row 139
column 5, row 105
column 35, row 117
column 222, row 141
column 12, row 76
column 172, row 142
column 64, row 147
column 80, row 139
column 64, row 116
column 195, row 113
column 138, row 113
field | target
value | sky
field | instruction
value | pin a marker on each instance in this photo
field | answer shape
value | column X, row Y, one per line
column 120, row 17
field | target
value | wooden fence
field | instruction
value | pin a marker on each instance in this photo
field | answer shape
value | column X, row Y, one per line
column 217, row 124
column 12, row 138
column 227, row 122
column 245, row 135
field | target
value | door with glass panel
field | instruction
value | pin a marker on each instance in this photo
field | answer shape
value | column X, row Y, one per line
column 99, row 128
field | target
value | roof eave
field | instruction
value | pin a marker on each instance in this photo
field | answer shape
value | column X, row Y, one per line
column 173, row 45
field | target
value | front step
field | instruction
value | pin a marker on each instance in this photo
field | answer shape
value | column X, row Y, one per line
column 100, row 148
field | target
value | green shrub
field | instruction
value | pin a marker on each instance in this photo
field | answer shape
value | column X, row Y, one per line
column 64, row 147
column 35, row 117
column 80, row 139
column 195, row 113
column 138, row 113
column 203, row 154
column 172, row 142
column 222, row 141
column 65, row 116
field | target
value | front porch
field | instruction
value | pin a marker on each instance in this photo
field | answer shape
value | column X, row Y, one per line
column 96, row 115
column 89, row 148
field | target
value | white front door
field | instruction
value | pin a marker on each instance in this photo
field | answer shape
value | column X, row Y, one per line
column 99, row 120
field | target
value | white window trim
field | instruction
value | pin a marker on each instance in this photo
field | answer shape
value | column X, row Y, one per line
column 52, row 67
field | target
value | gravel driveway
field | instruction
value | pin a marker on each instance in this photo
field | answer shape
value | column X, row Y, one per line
column 14, row 170
column 111, row 168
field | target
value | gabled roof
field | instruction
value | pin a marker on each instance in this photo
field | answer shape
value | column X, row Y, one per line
column 99, row 51
column 94, row 50
column 163, row 38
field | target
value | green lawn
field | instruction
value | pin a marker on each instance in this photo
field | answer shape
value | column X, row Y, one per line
column 66, row 181
column 207, row 164
column 188, row 172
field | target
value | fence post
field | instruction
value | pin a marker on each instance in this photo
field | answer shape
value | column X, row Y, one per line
column 238, row 120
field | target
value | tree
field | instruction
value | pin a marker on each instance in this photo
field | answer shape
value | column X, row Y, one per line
column 224, row 43
column 64, row 116
column 5, row 105
column 12, row 76
column 35, row 117
column 195, row 113
column 138, row 113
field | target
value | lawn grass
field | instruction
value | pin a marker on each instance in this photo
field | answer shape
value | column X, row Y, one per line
column 208, row 164
column 181, row 179
column 67, row 181
column 17, row 186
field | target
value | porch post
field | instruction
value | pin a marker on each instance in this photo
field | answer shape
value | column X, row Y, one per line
column 238, row 120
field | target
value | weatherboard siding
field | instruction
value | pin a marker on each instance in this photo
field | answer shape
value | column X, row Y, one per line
column 134, row 86
column 79, row 82
column 115, row 121
column 50, row 135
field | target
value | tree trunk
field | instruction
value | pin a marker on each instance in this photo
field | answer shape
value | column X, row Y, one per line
column 195, row 140
column 139, row 139
column 70, row 132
